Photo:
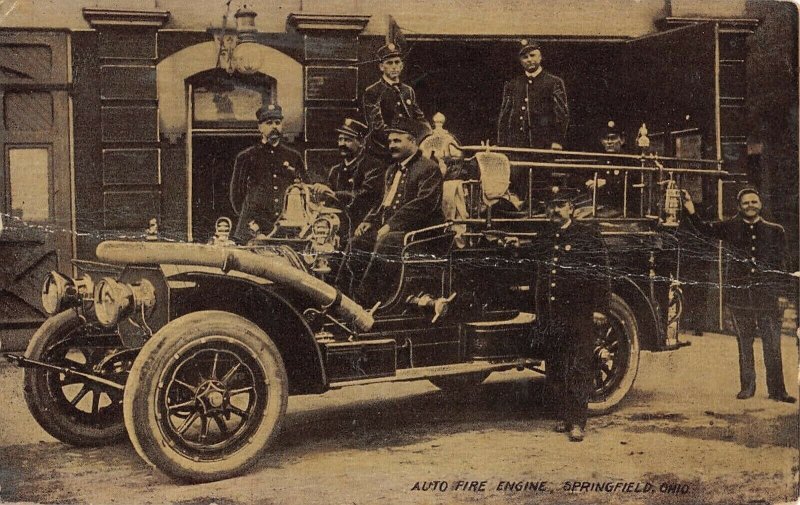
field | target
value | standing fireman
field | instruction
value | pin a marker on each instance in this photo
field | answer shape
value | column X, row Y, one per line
column 754, row 250
column 572, row 296
column 261, row 175
column 388, row 100
column 534, row 110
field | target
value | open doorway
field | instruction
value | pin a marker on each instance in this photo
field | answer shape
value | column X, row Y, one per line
column 223, row 113
column 213, row 157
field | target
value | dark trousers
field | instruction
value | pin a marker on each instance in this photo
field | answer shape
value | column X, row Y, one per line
column 377, row 263
column 570, row 365
column 748, row 324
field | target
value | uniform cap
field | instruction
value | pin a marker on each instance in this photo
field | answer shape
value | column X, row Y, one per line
column 353, row 128
column 406, row 125
column 747, row 191
column 389, row 51
column 271, row 111
column 527, row 45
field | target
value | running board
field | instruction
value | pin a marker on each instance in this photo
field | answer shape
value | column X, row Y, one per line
column 422, row 373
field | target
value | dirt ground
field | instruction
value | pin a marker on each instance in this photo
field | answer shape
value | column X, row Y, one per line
column 680, row 437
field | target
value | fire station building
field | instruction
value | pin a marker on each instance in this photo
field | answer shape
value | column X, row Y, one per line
column 116, row 112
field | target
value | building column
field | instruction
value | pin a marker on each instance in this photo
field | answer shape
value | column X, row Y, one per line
column 129, row 138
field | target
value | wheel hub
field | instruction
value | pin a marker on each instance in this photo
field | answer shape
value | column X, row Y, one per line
column 212, row 395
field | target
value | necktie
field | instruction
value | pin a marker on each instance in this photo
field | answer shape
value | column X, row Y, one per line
column 387, row 199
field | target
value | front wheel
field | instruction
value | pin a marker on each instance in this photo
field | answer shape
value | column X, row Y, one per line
column 71, row 408
column 616, row 358
column 205, row 397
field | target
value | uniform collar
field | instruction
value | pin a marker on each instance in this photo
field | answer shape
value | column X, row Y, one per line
column 404, row 164
column 535, row 73
column 389, row 83
column 348, row 164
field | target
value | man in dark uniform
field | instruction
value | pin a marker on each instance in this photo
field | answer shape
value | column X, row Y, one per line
column 261, row 175
column 412, row 199
column 572, row 296
column 611, row 193
column 755, row 251
column 534, row 111
column 389, row 99
column 356, row 184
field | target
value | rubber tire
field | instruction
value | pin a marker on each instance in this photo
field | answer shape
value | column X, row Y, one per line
column 140, row 392
column 623, row 313
column 461, row 382
column 41, row 403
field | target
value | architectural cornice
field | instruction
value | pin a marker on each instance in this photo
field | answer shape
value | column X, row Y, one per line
column 114, row 17
column 335, row 22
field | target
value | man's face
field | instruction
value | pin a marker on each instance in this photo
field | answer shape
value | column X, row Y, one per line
column 271, row 128
column 612, row 143
column 392, row 67
column 559, row 212
column 349, row 146
column 750, row 205
column 531, row 60
column 401, row 146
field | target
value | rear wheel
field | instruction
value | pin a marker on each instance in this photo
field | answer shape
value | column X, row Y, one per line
column 459, row 382
column 73, row 409
column 206, row 396
column 616, row 357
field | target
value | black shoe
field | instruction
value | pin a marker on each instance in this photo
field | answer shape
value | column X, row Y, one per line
column 576, row 434
column 744, row 394
column 785, row 398
column 562, row 427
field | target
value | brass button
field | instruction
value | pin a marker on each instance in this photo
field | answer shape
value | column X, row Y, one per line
column 555, row 259
column 552, row 284
column 556, row 246
column 552, row 298
column 753, row 237
column 523, row 107
column 552, row 271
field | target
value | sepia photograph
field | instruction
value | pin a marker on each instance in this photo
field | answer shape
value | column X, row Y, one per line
column 347, row 252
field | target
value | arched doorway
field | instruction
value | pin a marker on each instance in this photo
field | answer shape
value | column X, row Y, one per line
column 222, row 123
column 213, row 112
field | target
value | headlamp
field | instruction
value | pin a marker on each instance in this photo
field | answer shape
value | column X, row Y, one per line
column 114, row 300
column 60, row 292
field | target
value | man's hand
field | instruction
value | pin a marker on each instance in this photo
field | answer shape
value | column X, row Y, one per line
column 600, row 183
column 362, row 229
column 320, row 190
column 688, row 204
column 382, row 232
column 599, row 319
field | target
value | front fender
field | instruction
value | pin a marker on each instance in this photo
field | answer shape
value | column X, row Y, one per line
column 264, row 306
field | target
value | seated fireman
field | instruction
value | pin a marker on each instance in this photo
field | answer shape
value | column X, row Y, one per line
column 356, row 184
column 610, row 183
column 261, row 175
column 412, row 200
